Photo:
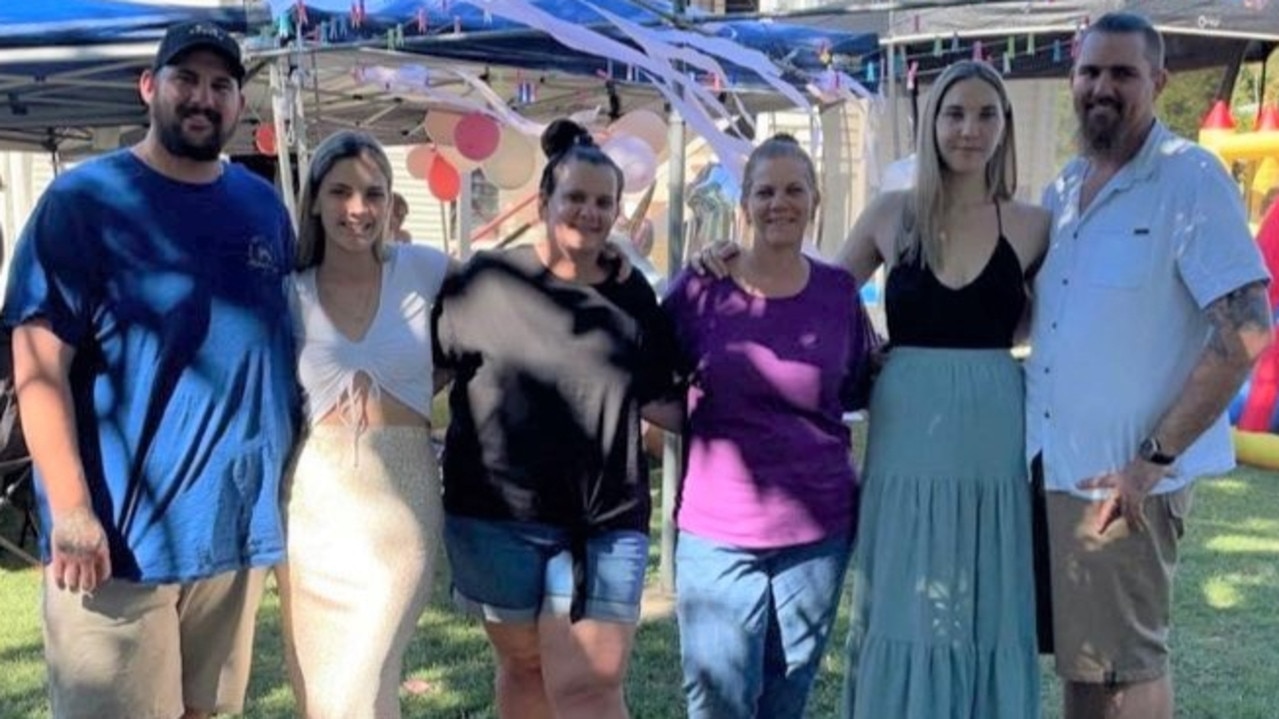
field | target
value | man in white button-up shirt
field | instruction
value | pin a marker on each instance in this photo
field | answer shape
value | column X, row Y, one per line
column 1150, row 310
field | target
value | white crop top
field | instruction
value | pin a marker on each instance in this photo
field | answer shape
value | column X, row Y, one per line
column 395, row 352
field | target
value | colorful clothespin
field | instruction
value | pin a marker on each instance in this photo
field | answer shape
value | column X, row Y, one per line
column 284, row 26
column 1056, row 50
column 300, row 8
column 1030, row 44
column 870, row 71
column 1008, row 63
column 457, row 25
column 936, row 47
column 954, row 42
column 912, row 72
column 421, row 21
column 979, row 53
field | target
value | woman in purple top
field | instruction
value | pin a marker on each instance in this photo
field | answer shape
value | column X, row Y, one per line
column 768, row 504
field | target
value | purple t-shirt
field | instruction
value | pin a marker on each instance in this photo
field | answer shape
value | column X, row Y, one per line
column 768, row 453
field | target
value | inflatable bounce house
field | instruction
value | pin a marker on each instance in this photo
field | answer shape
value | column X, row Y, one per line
column 1255, row 412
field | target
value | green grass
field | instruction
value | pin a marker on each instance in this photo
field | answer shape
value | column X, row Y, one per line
column 1225, row 634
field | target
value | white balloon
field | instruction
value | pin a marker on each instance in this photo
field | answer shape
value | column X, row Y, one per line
column 456, row 158
column 512, row 164
column 644, row 124
column 636, row 159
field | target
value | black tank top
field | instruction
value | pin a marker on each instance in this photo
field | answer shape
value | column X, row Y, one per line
column 983, row 314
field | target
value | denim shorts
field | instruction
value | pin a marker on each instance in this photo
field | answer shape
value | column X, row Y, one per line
column 507, row 571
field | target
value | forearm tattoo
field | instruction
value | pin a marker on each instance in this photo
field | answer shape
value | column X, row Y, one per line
column 1243, row 310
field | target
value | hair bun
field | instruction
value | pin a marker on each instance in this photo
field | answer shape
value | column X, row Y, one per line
column 561, row 135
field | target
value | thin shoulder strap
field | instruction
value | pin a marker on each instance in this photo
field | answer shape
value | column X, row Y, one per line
column 999, row 218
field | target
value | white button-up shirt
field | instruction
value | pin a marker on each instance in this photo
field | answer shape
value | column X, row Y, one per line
column 1119, row 319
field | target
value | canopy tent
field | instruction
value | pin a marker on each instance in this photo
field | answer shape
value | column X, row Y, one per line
column 508, row 33
column 70, row 67
column 1198, row 33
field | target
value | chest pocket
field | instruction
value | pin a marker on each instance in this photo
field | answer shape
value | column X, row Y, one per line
column 1118, row 255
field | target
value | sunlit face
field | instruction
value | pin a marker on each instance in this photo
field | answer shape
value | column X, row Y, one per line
column 194, row 105
column 353, row 203
column 969, row 126
column 582, row 209
column 1114, row 88
column 781, row 200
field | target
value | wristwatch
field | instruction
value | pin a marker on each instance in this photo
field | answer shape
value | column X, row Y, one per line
column 1150, row 451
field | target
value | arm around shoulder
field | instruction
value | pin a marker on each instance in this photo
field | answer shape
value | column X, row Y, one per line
column 870, row 238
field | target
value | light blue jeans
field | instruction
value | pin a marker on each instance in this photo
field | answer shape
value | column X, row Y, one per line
column 753, row 624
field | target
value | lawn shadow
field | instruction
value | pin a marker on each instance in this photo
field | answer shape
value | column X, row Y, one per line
column 24, row 697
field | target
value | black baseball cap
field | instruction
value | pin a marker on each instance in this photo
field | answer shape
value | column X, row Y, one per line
column 185, row 37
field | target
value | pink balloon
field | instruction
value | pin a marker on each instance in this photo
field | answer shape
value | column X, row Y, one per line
column 418, row 161
column 443, row 180
column 476, row 136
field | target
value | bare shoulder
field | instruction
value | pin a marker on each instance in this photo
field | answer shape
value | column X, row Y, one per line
column 883, row 217
column 887, row 207
column 1026, row 227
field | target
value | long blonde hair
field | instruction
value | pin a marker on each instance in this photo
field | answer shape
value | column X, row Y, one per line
column 920, row 237
column 341, row 145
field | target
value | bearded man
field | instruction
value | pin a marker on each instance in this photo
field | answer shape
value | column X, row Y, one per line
column 153, row 357
column 1150, row 310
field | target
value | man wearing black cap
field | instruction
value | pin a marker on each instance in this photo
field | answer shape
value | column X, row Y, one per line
column 154, row 359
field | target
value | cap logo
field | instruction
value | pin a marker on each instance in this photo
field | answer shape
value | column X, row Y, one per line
column 209, row 30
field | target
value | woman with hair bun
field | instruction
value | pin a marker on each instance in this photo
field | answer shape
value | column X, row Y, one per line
column 554, row 356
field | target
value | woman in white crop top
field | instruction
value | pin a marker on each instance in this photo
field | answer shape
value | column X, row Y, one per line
column 363, row 507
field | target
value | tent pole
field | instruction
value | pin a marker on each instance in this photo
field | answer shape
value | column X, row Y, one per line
column 672, row 455
column 464, row 219
column 280, row 108
column 890, row 77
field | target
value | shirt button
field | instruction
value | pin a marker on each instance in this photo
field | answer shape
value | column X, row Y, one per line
column 1054, row 326
column 1065, row 280
column 1048, row 415
column 1047, row 371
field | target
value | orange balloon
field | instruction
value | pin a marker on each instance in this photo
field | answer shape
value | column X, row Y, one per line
column 418, row 161
column 264, row 139
column 443, row 180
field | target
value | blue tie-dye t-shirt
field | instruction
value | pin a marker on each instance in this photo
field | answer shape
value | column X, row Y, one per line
column 173, row 296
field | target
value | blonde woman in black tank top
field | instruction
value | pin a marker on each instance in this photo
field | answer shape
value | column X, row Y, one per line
column 943, row 621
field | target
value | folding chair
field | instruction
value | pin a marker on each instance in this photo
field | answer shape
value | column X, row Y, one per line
column 16, row 479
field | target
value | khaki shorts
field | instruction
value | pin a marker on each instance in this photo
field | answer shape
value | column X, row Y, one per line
column 147, row 651
column 1112, row 593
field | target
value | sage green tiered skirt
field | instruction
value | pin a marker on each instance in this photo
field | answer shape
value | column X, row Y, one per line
column 943, row 616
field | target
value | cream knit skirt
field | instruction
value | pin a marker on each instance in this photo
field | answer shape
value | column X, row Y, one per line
column 363, row 515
